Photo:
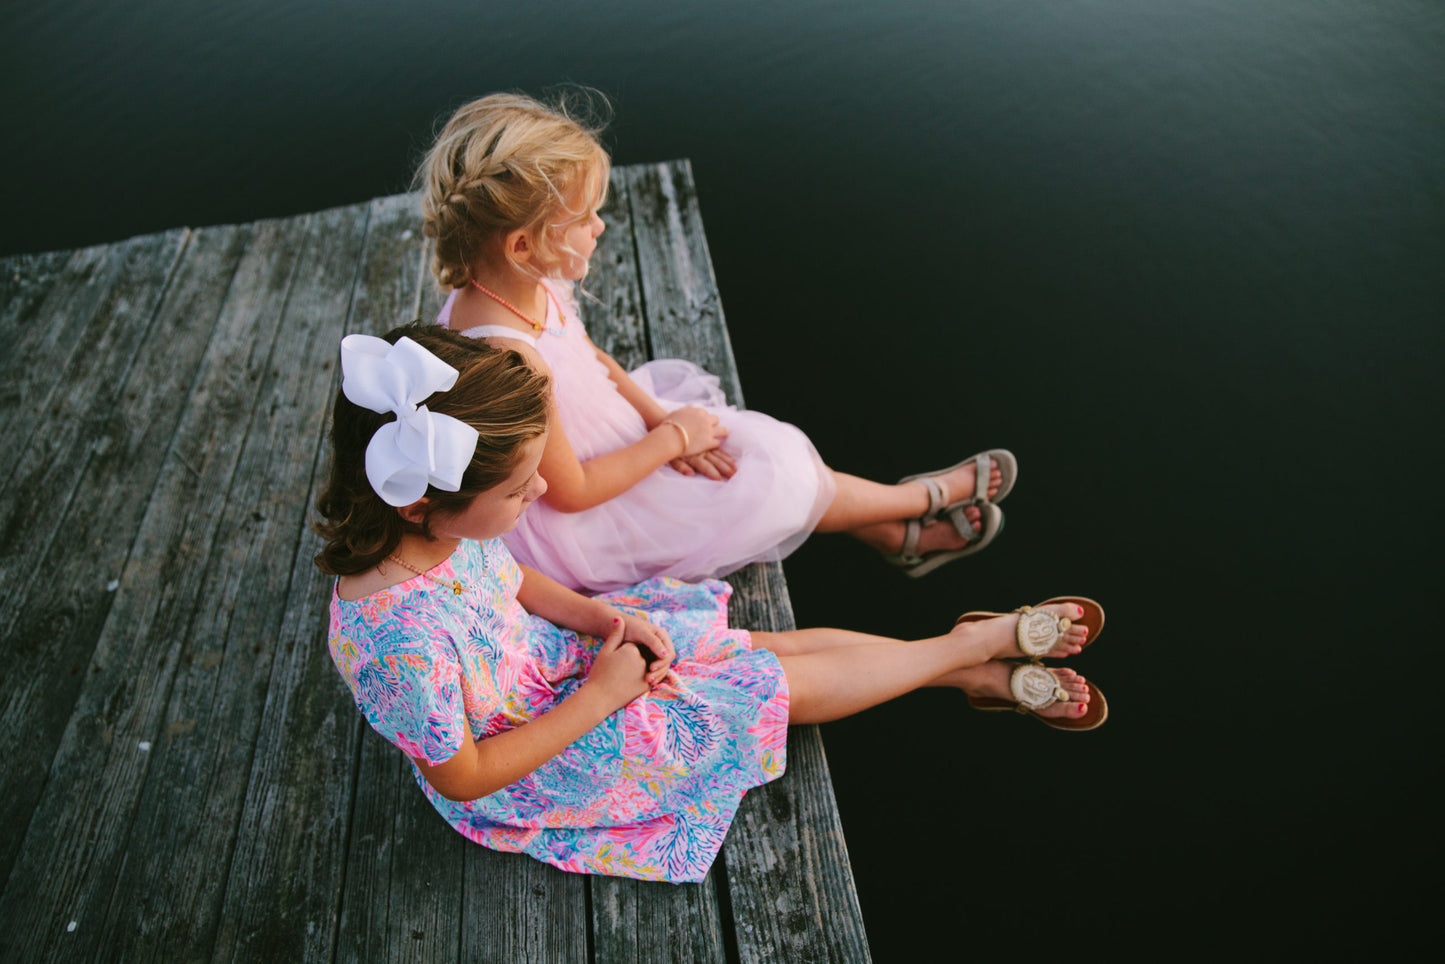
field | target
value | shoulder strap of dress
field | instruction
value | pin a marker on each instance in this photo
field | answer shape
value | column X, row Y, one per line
column 498, row 331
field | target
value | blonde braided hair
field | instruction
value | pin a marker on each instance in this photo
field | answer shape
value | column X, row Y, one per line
column 504, row 162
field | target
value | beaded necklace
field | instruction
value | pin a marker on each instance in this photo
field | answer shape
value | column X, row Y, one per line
column 537, row 326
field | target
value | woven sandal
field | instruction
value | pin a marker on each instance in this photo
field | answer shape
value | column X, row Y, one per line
column 1034, row 688
column 1039, row 631
column 915, row 565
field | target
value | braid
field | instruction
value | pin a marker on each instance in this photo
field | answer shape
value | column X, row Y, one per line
column 501, row 163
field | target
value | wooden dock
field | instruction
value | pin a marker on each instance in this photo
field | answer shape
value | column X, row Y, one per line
column 185, row 776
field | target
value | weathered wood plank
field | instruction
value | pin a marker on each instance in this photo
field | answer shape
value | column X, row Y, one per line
column 25, row 281
column 403, row 866
column 66, row 870
column 168, row 895
column 402, row 902
column 43, row 323
column 684, row 310
column 789, row 877
column 107, row 293
column 636, row 921
column 611, row 303
column 298, row 820
column 519, row 909
column 71, row 522
column 514, row 908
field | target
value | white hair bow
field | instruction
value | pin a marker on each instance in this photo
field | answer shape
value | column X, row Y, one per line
column 420, row 446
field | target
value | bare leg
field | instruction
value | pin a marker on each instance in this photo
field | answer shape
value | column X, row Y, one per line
column 800, row 641
column 859, row 502
column 841, row 675
column 989, row 679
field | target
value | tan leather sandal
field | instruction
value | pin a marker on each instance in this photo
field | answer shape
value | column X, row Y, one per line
column 1039, row 631
column 1034, row 688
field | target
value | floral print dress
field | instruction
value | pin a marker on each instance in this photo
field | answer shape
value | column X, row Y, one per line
column 648, row 793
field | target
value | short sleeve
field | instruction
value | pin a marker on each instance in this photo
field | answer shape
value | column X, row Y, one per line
column 410, row 693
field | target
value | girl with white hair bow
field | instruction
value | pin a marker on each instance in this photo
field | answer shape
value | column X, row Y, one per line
column 614, row 734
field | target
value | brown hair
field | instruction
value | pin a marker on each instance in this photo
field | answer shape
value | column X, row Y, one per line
column 496, row 392
column 506, row 162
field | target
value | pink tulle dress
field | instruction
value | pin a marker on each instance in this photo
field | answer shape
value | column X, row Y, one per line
column 668, row 524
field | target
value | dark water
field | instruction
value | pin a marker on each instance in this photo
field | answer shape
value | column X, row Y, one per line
column 1184, row 259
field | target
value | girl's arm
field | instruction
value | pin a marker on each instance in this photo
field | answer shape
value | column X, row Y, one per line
column 543, row 596
column 646, row 405
column 483, row 767
column 713, row 463
column 573, row 486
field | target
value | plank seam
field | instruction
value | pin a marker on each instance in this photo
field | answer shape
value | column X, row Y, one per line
column 642, row 311
column 725, row 910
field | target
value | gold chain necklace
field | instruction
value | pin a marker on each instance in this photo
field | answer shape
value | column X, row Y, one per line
column 455, row 585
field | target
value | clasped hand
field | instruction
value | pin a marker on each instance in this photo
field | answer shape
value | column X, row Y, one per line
column 635, row 656
column 704, row 454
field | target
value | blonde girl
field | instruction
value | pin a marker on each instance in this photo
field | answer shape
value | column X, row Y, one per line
column 649, row 472
column 611, row 735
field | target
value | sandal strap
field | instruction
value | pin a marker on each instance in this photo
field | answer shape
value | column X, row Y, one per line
column 982, row 468
column 936, row 497
column 908, row 554
column 1034, row 688
column 965, row 529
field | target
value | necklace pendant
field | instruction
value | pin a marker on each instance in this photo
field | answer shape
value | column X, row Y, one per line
column 457, row 586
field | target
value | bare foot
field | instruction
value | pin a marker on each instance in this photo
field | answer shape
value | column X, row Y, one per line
column 999, row 633
column 992, row 682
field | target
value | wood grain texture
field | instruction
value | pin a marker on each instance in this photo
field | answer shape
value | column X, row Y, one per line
column 66, row 871
column 636, row 921
column 611, row 297
column 518, row 909
column 684, row 310
column 90, row 321
column 79, row 493
column 26, row 281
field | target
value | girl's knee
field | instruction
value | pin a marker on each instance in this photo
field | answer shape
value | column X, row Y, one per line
column 779, row 644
